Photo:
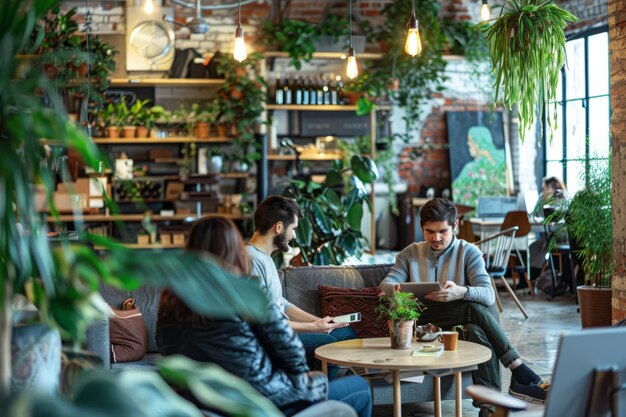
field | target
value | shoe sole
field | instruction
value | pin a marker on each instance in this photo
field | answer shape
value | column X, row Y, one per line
column 526, row 398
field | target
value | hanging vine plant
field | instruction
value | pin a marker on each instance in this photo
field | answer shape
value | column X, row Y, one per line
column 527, row 46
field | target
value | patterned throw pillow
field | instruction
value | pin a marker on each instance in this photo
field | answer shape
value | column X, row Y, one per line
column 336, row 301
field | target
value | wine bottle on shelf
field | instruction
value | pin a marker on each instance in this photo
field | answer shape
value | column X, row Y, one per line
column 312, row 90
column 279, row 95
column 332, row 87
column 288, row 89
column 306, row 91
column 298, row 87
column 319, row 91
column 326, row 89
column 339, row 88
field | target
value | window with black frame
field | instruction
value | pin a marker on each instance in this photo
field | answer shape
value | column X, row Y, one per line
column 583, row 109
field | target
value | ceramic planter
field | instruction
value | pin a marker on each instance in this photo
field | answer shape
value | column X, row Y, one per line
column 113, row 132
column 401, row 333
column 142, row 132
column 129, row 132
column 595, row 306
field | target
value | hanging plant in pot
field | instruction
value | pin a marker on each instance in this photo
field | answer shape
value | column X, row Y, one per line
column 401, row 309
column 527, row 46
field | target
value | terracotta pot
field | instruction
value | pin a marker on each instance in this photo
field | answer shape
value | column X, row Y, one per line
column 143, row 132
column 202, row 130
column 401, row 333
column 129, row 131
column 113, row 131
column 595, row 306
column 221, row 130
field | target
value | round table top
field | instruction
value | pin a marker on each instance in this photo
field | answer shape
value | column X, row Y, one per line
column 377, row 353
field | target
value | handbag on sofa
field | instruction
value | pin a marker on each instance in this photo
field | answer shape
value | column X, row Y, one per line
column 128, row 333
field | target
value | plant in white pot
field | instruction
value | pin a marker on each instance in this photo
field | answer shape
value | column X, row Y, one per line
column 401, row 310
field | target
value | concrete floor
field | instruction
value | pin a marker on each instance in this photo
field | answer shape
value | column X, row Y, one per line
column 535, row 338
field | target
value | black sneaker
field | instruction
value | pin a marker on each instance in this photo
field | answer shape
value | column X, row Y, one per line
column 533, row 393
column 485, row 412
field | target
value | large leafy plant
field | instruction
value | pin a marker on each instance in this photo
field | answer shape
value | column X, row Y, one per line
column 63, row 282
column 330, row 231
column 527, row 46
column 588, row 220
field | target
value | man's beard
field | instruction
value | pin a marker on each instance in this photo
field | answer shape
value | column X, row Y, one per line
column 281, row 242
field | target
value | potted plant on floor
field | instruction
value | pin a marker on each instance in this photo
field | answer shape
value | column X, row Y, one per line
column 527, row 46
column 401, row 310
column 588, row 220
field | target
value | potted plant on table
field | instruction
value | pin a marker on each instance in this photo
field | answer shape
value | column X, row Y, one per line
column 401, row 309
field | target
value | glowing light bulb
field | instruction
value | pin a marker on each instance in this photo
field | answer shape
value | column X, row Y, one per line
column 413, row 45
column 485, row 12
column 148, row 7
column 239, row 49
column 352, row 70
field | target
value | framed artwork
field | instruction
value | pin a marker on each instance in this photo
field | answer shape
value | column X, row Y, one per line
column 477, row 156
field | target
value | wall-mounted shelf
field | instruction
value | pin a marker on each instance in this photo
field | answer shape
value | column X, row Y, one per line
column 327, row 55
column 132, row 141
column 318, row 157
column 323, row 107
column 165, row 82
column 138, row 217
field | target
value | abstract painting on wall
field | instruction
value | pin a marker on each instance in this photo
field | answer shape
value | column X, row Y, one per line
column 477, row 156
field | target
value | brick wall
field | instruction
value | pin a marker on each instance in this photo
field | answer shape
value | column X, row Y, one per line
column 589, row 12
column 617, row 49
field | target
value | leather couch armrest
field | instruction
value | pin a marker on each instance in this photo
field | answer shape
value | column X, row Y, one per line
column 99, row 342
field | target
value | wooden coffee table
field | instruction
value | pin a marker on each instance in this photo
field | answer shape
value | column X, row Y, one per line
column 376, row 353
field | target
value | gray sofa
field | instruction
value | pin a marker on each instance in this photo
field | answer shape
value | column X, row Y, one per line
column 299, row 287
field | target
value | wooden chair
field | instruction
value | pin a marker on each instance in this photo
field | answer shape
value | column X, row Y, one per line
column 497, row 250
column 520, row 219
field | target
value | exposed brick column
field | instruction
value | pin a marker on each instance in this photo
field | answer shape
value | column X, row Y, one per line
column 617, row 49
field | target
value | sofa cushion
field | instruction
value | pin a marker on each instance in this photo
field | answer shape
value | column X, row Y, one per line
column 336, row 301
column 300, row 283
column 128, row 334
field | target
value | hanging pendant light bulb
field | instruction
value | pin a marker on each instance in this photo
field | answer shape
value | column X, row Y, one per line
column 239, row 48
column 148, row 7
column 485, row 13
column 352, row 69
column 413, row 45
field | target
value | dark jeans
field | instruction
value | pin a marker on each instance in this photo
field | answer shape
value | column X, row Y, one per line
column 352, row 390
column 312, row 341
column 480, row 327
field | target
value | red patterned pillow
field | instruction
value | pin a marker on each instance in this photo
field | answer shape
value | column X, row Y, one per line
column 336, row 301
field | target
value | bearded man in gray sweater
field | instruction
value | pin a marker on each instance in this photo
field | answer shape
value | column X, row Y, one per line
column 466, row 297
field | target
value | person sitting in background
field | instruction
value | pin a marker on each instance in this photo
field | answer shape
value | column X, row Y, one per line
column 268, row 354
column 553, row 194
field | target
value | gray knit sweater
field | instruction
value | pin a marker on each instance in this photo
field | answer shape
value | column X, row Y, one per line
column 461, row 262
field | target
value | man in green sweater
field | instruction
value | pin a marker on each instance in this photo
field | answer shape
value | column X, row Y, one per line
column 466, row 297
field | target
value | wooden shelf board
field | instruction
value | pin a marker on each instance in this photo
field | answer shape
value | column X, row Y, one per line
column 138, row 217
column 318, row 157
column 303, row 107
column 182, row 139
column 165, row 82
column 327, row 55
column 146, row 246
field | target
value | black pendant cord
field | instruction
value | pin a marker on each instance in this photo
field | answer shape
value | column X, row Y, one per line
column 350, row 17
column 88, row 22
column 239, row 13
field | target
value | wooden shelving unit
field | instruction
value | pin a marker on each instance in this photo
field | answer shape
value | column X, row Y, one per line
column 165, row 82
column 88, row 218
column 318, row 157
column 136, row 141
column 327, row 55
column 155, row 246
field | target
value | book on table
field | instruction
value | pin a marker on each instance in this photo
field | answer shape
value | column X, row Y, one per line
column 432, row 351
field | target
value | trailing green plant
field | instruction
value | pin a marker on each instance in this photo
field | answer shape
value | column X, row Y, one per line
column 588, row 220
column 399, row 306
column 527, row 46
column 241, row 99
column 330, row 230
column 292, row 36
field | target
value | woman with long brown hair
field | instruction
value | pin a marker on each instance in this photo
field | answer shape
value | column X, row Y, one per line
column 267, row 354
